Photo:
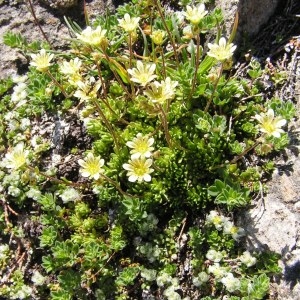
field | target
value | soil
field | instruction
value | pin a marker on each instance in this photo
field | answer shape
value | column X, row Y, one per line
column 273, row 222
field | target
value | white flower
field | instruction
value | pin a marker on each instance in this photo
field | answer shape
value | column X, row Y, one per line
column 4, row 251
column 171, row 294
column 87, row 90
column 214, row 255
column 187, row 32
column 218, row 271
column 139, row 169
column 247, row 259
column 161, row 92
column 93, row 37
column 163, row 279
column 13, row 191
column 23, row 292
column 17, row 157
column 129, row 24
column 34, row 194
column 270, row 124
column 141, row 146
column 91, row 166
column 142, row 74
column 19, row 94
column 221, row 51
column 231, row 283
column 200, row 279
column 195, row 13
column 18, row 79
column 72, row 70
column 215, row 219
column 42, row 60
column 71, row 67
column 234, row 231
column 70, row 194
column 37, row 278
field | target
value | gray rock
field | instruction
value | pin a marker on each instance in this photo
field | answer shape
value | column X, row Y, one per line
column 60, row 4
column 253, row 14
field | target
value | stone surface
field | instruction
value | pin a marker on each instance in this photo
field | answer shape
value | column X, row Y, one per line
column 274, row 221
column 60, row 4
column 18, row 19
column 253, row 14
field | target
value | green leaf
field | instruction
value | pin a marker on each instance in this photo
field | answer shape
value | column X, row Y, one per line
column 217, row 188
column 255, row 289
column 14, row 40
column 61, row 295
column 48, row 263
column 206, row 64
column 48, row 236
column 69, row 280
column 48, row 202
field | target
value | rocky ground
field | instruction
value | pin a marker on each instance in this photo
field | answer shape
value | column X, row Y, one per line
column 273, row 222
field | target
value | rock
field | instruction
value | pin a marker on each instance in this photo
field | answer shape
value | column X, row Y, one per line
column 60, row 4
column 253, row 14
column 97, row 8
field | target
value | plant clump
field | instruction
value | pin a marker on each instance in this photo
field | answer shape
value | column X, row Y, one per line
column 179, row 145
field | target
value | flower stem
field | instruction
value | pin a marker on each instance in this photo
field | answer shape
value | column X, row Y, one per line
column 106, row 122
column 57, row 84
column 196, row 66
column 163, row 62
column 117, row 77
column 157, row 4
column 116, row 185
column 245, row 152
column 164, row 121
column 214, row 90
column 130, row 64
column 237, row 158
column 101, row 79
column 37, row 22
column 54, row 179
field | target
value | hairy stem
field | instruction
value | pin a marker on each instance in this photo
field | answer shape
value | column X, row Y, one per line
column 37, row 22
column 157, row 4
column 214, row 90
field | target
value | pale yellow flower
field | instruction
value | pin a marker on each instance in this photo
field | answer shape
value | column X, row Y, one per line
column 231, row 283
column 93, row 37
column 247, row 259
column 142, row 74
column 141, row 146
column 234, row 231
column 71, row 67
column 72, row 70
column 129, row 24
column 42, row 60
column 158, row 36
column 91, row 166
column 139, row 169
column 270, row 124
column 87, row 90
column 188, row 32
column 17, row 157
column 195, row 13
column 221, row 51
column 160, row 92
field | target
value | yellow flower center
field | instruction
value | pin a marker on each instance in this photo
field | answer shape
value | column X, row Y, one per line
column 269, row 126
column 141, row 146
column 93, row 167
column 19, row 159
column 140, row 168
